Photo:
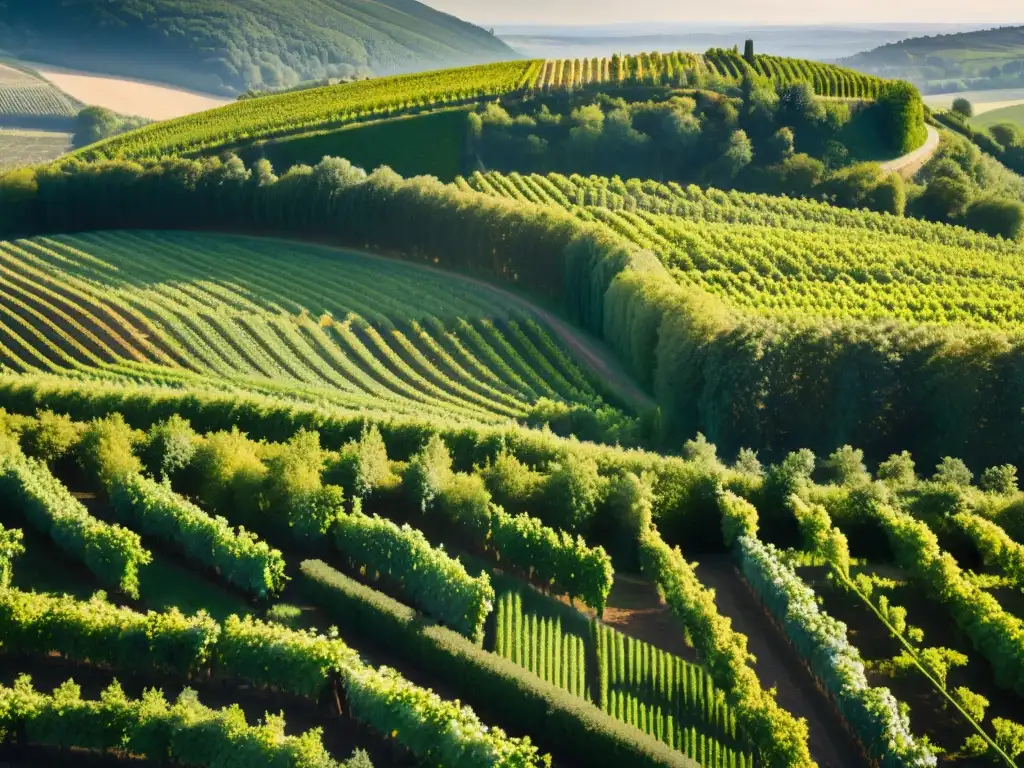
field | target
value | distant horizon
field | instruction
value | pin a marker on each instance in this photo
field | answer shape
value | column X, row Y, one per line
column 587, row 13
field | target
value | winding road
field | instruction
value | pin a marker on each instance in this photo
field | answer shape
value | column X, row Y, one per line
column 910, row 163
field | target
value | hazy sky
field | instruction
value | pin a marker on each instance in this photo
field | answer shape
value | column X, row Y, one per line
column 583, row 12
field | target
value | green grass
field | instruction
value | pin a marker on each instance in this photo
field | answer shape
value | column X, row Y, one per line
column 413, row 145
column 164, row 584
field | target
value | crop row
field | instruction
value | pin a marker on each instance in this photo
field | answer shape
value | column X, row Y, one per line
column 872, row 713
column 681, row 69
column 70, row 311
column 714, row 206
column 267, row 655
column 778, row 264
column 113, row 553
column 185, row 731
column 636, row 683
column 34, row 100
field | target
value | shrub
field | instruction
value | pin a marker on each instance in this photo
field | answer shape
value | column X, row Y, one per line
column 170, row 447
column 106, row 449
column 699, row 449
column 898, row 470
column 49, row 436
column 900, row 112
column 952, row 471
column 572, row 492
column 974, row 704
column 428, row 471
column 963, row 107
column 996, row 216
column 1009, row 736
column 363, row 465
column 10, row 548
column 1001, row 479
column 513, row 485
column 845, row 466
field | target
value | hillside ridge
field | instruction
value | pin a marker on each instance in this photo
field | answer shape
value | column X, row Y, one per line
column 226, row 47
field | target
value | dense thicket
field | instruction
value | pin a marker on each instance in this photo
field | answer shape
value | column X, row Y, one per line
column 220, row 46
column 775, row 385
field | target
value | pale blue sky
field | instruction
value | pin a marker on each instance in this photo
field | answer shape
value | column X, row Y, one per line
column 584, row 12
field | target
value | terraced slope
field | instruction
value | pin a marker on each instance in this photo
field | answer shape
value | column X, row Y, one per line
column 353, row 330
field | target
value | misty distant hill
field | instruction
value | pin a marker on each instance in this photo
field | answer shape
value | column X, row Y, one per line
column 228, row 46
column 991, row 58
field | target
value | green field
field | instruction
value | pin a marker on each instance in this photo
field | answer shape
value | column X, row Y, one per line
column 321, row 110
column 1012, row 114
column 781, row 262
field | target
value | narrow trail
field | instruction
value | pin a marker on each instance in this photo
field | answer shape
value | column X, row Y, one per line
column 778, row 666
column 912, row 162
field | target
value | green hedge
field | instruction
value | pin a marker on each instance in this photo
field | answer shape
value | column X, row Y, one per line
column 520, row 699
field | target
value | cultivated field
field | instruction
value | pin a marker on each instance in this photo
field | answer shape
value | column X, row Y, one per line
column 369, row 477
column 1004, row 114
column 129, row 97
column 281, row 317
column 983, row 101
column 25, row 97
column 21, row 147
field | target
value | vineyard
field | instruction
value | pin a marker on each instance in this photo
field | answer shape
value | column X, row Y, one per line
column 317, row 109
column 794, row 258
column 518, row 471
column 521, row 645
column 687, row 69
column 23, row 95
column 362, row 333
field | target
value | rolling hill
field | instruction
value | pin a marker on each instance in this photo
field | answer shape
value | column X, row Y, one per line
column 335, row 443
column 991, row 58
column 228, row 46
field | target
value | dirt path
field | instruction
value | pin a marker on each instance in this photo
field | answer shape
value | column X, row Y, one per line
column 778, row 665
column 635, row 609
column 912, row 162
